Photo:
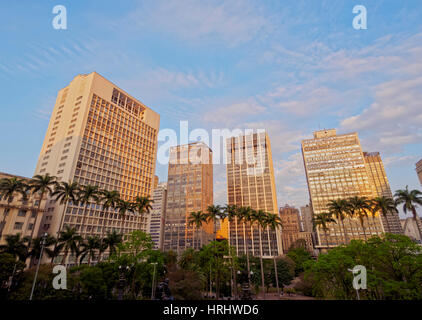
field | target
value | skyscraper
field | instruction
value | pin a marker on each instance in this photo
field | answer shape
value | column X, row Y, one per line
column 419, row 170
column 250, row 183
column 98, row 135
column 189, row 189
column 335, row 169
column 157, row 214
column 381, row 188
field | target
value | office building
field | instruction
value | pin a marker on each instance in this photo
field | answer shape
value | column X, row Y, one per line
column 99, row 135
column 335, row 169
column 306, row 218
column 419, row 170
column 157, row 214
column 290, row 219
column 189, row 189
column 250, row 183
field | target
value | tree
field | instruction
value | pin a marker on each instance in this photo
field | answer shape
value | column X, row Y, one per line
column 43, row 185
column 36, row 244
column 410, row 200
column 359, row 206
column 214, row 214
column 88, row 194
column 384, row 205
column 109, row 199
column 339, row 209
column 244, row 215
column 196, row 219
column 64, row 192
column 273, row 222
column 111, row 241
column 16, row 246
column 89, row 247
column 124, row 207
column 68, row 241
column 322, row 220
column 10, row 271
column 260, row 218
column 299, row 256
column 9, row 187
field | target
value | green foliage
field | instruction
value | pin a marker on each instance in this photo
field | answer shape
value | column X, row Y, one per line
column 393, row 264
column 9, row 266
column 299, row 256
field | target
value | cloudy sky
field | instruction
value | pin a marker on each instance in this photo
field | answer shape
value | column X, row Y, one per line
column 290, row 67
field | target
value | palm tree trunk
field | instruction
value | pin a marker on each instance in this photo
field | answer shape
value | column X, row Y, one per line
column 260, row 258
column 344, row 231
column 275, row 263
column 246, row 245
column 386, row 220
column 418, row 222
column 58, row 230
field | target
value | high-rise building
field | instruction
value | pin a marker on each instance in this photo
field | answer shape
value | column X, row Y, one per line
column 99, row 135
column 290, row 219
column 19, row 215
column 419, row 170
column 250, row 183
column 306, row 218
column 335, row 169
column 157, row 214
column 410, row 229
column 381, row 188
column 189, row 189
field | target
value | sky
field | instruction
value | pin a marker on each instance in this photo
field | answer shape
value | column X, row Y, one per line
column 290, row 67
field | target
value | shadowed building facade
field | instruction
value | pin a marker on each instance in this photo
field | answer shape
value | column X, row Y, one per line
column 99, row 135
column 250, row 183
column 336, row 169
column 189, row 189
column 419, row 170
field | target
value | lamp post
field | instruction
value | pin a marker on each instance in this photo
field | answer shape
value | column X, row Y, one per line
column 153, row 280
column 122, row 280
column 43, row 242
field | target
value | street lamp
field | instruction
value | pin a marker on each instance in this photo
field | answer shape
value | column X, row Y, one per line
column 43, row 242
column 122, row 280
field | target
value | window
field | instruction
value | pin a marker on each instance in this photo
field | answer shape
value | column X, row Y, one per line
column 21, row 213
column 18, row 225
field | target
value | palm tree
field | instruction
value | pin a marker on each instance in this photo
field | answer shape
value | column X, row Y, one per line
column 230, row 212
column 273, row 222
column 109, row 199
column 87, row 194
column 196, row 219
column 16, row 246
column 35, row 251
column 244, row 215
column 111, row 241
column 89, row 248
column 43, row 185
column 64, row 192
column 384, row 205
column 123, row 208
column 214, row 214
column 68, row 240
column 9, row 187
column 359, row 206
column 260, row 216
column 410, row 200
column 322, row 220
column 339, row 209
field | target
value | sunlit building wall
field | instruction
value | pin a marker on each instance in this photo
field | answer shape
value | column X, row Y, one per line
column 381, row 188
column 250, row 183
column 157, row 214
column 189, row 189
column 335, row 169
column 99, row 135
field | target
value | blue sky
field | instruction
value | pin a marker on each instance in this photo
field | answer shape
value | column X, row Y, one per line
column 291, row 67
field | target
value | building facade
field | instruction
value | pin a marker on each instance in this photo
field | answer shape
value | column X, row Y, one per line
column 335, row 169
column 381, row 188
column 290, row 219
column 157, row 214
column 99, row 135
column 419, row 170
column 410, row 229
column 306, row 218
column 18, row 215
column 250, row 183
column 189, row 189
